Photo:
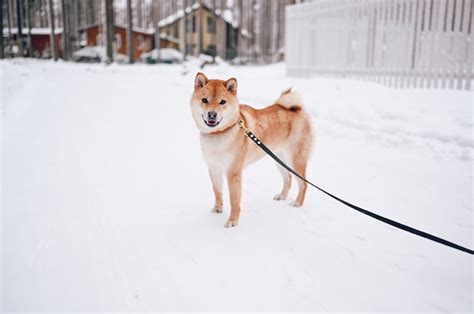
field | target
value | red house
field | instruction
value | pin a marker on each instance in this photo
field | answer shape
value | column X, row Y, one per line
column 40, row 40
column 94, row 35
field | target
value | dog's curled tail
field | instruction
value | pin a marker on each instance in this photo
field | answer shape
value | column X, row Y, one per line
column 290, row 100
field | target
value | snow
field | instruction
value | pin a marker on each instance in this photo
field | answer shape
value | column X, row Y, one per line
column 228, row 16
column 166, row 54
column 34, row 31
column 106, row 197
column 91, row 52
column 97, row 53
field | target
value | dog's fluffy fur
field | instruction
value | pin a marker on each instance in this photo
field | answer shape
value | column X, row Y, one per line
column 284, row 127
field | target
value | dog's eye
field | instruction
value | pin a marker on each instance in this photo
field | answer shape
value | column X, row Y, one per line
column 222, row 102
column 204, row 100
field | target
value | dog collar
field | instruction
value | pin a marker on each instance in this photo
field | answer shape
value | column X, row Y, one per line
column 223, row 130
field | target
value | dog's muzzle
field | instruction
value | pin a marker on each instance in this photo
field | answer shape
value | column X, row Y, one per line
column 211, row 120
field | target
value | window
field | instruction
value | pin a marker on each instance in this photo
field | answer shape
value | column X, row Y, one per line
column 191, row 24
column 211, row 25
column 118, row 41
column 189, row 48
column 83, row 39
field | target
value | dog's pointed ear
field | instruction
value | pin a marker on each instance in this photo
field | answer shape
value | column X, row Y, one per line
column 231, row 85
column 200, row 80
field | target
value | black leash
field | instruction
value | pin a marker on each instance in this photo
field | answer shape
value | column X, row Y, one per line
column 390, row 222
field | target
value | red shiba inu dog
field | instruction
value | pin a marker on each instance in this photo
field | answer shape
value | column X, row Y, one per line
column 284, row 127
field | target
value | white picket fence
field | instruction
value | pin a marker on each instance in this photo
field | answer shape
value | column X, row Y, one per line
column 401, row 43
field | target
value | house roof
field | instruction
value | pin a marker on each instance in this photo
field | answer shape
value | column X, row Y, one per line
column 148, row 31
column 226, row 15
column 34, row 31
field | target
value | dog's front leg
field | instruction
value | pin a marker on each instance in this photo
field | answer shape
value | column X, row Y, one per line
column 235, row 186
column 216, row 178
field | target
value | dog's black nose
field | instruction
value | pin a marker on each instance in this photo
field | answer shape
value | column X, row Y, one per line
column 212, row 115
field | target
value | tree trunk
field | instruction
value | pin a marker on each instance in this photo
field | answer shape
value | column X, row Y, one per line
column 140, row 13
column 100, row 21
column 186, row 26
column 109, row 28
column 269, row 26
column 1, row 29
column 28, row 22
column 71, row 29
column 11, row 15
column 129, row 31
column 240, row 37
column 52, row 37
column 44, row 17
column 9, row 23
column 77, row 17
column 156, row 4
column 263, row 30
column 91, row 13
column 65, row 35
column 280, row 28
column 252, row 32
column 214, row 35
column 19, row 34
column 200, row 28
column 182, row 31
column 174, row 9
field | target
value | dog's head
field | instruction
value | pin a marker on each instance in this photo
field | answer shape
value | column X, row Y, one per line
column 214, row 103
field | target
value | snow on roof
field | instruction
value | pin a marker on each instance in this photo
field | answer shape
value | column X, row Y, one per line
column 192, row 8
column 170, row 19
column 169, row 38
column 144, row 30
column 137, row 29
column 34, row 31
column 226, row 15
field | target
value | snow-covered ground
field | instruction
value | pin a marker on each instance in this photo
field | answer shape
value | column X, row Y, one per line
column 106, row 198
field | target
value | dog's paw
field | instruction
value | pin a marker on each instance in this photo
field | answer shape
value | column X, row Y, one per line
column 231, row 223
column 296, row 204
column 279, row 197
column 216, row 209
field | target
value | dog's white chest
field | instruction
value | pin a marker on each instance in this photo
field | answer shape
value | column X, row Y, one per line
column 218, row 151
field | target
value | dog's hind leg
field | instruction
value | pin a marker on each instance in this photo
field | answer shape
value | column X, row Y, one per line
column 216, row 179
column 286, row 176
